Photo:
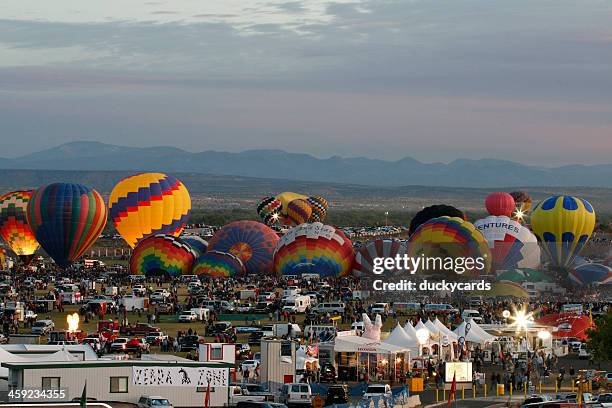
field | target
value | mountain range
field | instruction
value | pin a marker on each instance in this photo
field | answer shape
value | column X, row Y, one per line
column 278, row 164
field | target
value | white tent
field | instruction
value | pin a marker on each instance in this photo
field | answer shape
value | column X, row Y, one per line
column 445, row 330
column 420, row 325
column 432, row 328
column 399, row 337
column 475, row 335
column 349, row 343
column 410, row 330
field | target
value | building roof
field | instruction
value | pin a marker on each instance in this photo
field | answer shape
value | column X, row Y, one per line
column 111, row 363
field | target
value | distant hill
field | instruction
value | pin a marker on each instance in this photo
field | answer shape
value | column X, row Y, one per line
column 277, row 164
column 218, row 191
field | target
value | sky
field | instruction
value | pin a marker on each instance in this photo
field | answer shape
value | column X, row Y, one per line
column 522, row 80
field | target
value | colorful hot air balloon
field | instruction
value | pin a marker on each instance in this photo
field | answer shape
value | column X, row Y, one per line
column 563, row 224
column 66, row 219
column 197, row 243
column 591, row 274
column 319, row 207
column 162, row 254
column 14, row 226
column 378, row 248
column 298, row 211
column 269, row 210
column 434, row 211
column 450, row 238
column 147, row 204
column 500, row 203
column 314, row 248
column 285, row 198
column 512, row 245
column 523, row 204
column 217, row 264
column 251, row 241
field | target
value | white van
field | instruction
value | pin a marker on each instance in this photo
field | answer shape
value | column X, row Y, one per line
column 470, row 314
column 291, row 291
column 296, row 394
column 296, row 304
column 442, row 308
column 330, row 307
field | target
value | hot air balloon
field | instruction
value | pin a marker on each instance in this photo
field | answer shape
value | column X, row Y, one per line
column 197, row 243
column 286, row 198
column 591, row 274
column 162, row 254
column 219, row 264
column 506, row 289
column 147, row 204
column 269, row 209
column 251, row 241
column 14, row 226
column 298, row 211
column 454, row 240
column 319, row 208
column 2, row 258
column 523, row 204
column 512, row 245
column 314, row 248
column 66, row 219
column 378, row 248
column 500, row 203
column 563, row 224
column 434, row 211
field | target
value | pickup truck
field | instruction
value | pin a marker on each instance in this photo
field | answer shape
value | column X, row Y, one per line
column 140, row 329
column 248, row 392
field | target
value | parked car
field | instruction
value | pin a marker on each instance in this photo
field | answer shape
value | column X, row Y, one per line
column 296, row 394
column 337, row 394
column 156, row 338
column 188, row 316
column 43, row 327
column 187, row 343
column 328, row 373
column 137, row 345
column 153, row 402
column 375, row 391
column 139, row 329
column 119, row 345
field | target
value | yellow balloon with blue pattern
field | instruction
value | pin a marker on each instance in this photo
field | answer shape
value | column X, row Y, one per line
column 148, row 204
column 563, row 225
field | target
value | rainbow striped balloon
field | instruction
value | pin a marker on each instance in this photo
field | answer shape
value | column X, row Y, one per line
column 450, row 240
column 217, row 264
column 147, row 204
column 14, row 226
column 314, row 248
column 162, row 254
column 66, row 219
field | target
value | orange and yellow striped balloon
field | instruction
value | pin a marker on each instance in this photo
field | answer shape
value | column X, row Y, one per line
column 14, row 226
column 147, row 204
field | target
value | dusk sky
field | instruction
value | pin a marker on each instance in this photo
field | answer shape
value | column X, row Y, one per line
column 523, row 80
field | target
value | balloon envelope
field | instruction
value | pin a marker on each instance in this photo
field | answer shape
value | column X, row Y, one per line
column 147, row 204
column 512, row 245
column 500, row 203
column 563, row 224
column 452, row 239
column 431, row 212
column 199, row 244
column 14, row 226
column 591, row 274
column 219, row 264
column 314, row 248
column 162, row 254
column 66, row 219
column 378, row 248
column 251, row 241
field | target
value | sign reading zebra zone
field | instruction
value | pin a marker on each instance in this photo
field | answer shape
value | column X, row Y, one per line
column 180, row 376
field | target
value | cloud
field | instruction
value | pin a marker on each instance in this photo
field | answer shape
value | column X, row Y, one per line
column 342, row 74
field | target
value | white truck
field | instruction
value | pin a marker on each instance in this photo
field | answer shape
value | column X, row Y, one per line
column 296, row 304
column 280, row 329
column 248, row 392
column 134, row 303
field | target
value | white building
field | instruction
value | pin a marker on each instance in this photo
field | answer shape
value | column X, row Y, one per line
column 183, row 383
